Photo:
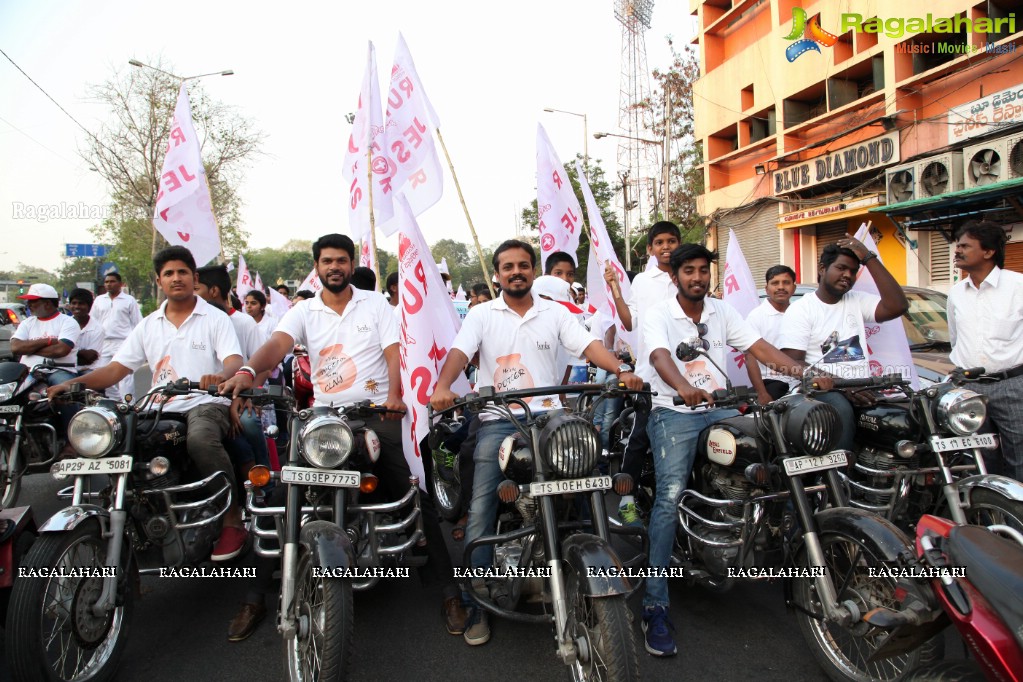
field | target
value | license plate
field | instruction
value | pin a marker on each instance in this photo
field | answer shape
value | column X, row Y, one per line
column 335, row 479
column 984, row 441
column 87, row 467
column 575, row 485
column 7, row 409
column 805, row 465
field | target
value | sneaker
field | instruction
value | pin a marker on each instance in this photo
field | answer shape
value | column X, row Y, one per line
column 445, row 462
column 657, row 629
column 477, row 629
column 629, row 514
column 230, row 544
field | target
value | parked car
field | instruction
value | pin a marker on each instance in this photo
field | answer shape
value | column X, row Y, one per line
column 926, row 324
column 6, row 331
column 14, row 312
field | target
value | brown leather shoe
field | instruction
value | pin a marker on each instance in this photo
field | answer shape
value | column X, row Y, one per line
column 455, row 615
column 244, row 624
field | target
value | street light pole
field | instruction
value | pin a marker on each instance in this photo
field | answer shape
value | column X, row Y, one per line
column 226, row 72
column 586, row 139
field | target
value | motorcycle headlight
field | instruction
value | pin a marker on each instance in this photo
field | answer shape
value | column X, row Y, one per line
column 7, row 391
column 811, row 426
column 327, row 441
column 962, row 411
column 570, row 444
column 94, row 431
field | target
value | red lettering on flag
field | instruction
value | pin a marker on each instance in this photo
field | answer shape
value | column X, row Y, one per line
column 417, row 178
column 731, row 284
column 557, row 179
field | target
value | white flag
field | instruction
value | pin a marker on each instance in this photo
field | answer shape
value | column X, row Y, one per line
column 258, row 284
column 279, row 304
column 887, row 345
column 230, row 267
column 460, row 294
column 311, row 283
column 740, row 291
column 366, row 256
column 245, row 283
column 557, row 208
column 367, row 131
column 184, row 215
column 602, row 253
column 413, row 166
column 428, row 327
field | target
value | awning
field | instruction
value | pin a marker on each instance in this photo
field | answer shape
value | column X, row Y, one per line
column 828, row 213
column 961, row 204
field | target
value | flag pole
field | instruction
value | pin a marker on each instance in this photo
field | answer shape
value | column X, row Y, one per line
column 372, row 219
column 475, row 239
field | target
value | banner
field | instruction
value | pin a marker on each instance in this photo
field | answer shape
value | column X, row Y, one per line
column 311, row 283
column 428, row 326
column 557, row 208
column 245, row 283
column 258, row 284
column 366, row 256
column 602, row 253
column 887, row 344
column 184, row 214
column 739, row 290
column 367, row 131
column 413, row 167
column 279, row 304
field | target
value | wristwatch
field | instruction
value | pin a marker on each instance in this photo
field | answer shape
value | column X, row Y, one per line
column 623, row 368
column 869, row 257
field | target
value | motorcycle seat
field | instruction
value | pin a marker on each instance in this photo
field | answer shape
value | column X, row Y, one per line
column 994, row 565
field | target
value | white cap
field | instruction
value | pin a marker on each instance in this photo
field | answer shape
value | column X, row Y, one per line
column 553, row 287
column 37, row 291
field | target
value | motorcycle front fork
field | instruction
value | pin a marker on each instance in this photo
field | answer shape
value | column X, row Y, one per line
column 566, row 645
column 118, row 520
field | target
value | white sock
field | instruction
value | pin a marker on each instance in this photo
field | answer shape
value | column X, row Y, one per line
column 626, row 499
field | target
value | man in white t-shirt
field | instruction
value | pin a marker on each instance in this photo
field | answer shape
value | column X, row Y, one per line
column 46, row 336
column 518, row 337
column 92, row 337
column 673, row 430
column 119, row 313
column 352, row 339
column 827, row 329
column 766, row 320
column 185, row 338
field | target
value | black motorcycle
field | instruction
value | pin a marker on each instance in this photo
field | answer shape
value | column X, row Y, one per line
column 329, row 541
column 922, row 452
column 70, row 610
column 554, row 563
column 765, row 500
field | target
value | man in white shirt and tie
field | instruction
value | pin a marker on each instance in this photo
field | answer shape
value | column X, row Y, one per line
column 119, row 313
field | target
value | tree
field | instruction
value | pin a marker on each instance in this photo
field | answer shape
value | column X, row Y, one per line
column 77, row 270
column 128, row 152
column 603, row 195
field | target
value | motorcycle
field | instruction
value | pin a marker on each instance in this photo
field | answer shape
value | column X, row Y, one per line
column 29, row 443
column 71, row 608
column 329, row 542
column 543, row 557
column 754, row 508
column 921, row 452
column 975, row 575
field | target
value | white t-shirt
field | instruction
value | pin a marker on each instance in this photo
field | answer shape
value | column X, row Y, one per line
column 666, row 325
column 810, row 323
column 649, row 288
column 267, row 325
column 117, row 315
column 521, row 352
column 57, row 326
column 91, row 338
column 198, row 347
column 766, row 320
column 346, row 351
column 250, row 336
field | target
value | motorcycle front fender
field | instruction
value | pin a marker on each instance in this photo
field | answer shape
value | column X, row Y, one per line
column 1003, row 485
column 600, row 571
column 70, row 518
column 328, row 545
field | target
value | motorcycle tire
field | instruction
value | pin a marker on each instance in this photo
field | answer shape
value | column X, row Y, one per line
column 988, row 507
column 51, row 631
column 843, row 652
column 447, row 496
column 605, row 625
column 10, row 481
column 323, row 655
column 947, row 671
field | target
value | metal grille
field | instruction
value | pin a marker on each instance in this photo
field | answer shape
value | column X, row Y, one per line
column 820, row 428
column 572, row 448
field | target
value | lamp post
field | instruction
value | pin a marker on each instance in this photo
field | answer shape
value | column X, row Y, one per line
column 226, row 72
column 586, row 148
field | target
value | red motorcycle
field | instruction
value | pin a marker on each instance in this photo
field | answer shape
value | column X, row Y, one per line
column 974, row 575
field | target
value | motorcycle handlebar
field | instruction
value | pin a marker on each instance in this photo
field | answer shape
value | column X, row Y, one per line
column 883, row 381
column 723, row 397
column 488, row 395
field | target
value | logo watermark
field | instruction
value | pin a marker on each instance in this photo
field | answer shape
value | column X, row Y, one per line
column 635, row 573
column 917, row 571
column 67, row 572
column 813, row 35
column 490, row 572
column 63, row 210
column 767, row 573
column 360, row 573
column 208, row 572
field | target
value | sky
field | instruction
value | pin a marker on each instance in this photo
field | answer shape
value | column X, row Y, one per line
column 490, row 69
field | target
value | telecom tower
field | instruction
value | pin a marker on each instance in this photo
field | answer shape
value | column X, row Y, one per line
column 637, row 161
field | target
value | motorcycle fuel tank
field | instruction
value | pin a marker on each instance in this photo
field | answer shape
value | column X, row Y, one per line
column 884, row 424
column 732, row 443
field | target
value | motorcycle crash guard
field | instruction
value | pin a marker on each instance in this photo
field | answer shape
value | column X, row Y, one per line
column 329, row 545
column 70, row 518
column 601, row 573
column 1003, row 485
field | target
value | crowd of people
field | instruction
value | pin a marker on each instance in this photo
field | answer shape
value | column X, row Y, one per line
column 526, row 331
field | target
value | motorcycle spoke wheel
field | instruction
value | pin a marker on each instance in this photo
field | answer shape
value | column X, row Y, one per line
column 844, row 651
column 604, row 636
column 447, row 497
column 321, row 650
column 52, row 632
column 10, row 481
column 988, row 508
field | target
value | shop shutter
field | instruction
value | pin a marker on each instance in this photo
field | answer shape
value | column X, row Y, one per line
column 940, row 259
column 757, row 232
column 830, row 233
column 1014, row 256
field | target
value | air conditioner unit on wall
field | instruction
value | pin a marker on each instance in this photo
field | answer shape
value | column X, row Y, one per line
column 985, row 163
column 900, row 183
column 1014, row 144
column 939, row 174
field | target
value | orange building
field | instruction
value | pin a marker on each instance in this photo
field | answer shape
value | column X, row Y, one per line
column 816, row 116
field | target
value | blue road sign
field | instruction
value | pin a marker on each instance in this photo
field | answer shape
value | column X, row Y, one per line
column 86, row 250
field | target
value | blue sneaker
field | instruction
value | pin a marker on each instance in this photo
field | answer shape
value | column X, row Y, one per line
column 657, row 629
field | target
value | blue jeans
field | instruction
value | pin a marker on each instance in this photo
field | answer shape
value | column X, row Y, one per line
column 673, row 442
column 250, row 444
column 483, row 508
column 67, row 410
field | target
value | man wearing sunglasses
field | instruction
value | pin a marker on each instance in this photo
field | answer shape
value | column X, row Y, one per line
column 673, row 430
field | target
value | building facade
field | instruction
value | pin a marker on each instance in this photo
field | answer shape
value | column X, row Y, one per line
column 816, row 116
